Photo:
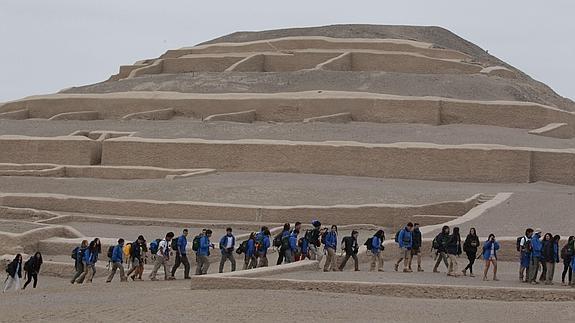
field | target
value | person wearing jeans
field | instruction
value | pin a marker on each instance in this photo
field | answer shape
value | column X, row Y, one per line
column 536, row 247
column 351, row 248
column 203, row 262
column 470, row 248
column 182, row 255
column 405, row 242
column 227, row 245
column 162, row 258
column 376, row 251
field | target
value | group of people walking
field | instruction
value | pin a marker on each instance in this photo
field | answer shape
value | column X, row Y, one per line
column 294, row 244
column 14, row 270
column 542, row 253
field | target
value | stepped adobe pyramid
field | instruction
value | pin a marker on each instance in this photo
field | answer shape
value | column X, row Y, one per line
column 354, row 124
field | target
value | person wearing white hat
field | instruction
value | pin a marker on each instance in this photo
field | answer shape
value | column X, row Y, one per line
column 536, row 247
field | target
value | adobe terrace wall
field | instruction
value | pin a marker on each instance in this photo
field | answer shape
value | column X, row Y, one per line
column 75, row 150
column 464, row 163
column 297, row 106
column 387, row 215
column 327, row 43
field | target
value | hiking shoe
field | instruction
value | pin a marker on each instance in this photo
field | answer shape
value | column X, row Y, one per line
column 396, row 267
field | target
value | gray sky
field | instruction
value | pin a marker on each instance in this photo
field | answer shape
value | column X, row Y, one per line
column 50, row 45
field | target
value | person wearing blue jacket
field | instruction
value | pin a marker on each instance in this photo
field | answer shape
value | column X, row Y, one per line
column 376, row 251
column 250, row 259
column 182, row 255
column 203, row 262
column 330, row 249
column 536, row 247
column 117, row 262
column 227, row 245
column 262, row 246
column 405, row 243
column 79, row 260
column 90, row 258
column 291, row 251
column 572, row 282
column 490, row 248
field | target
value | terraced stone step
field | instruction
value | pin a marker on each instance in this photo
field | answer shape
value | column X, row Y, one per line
column 297, row 106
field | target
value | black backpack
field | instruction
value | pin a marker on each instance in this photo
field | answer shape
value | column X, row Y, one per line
column 110, row 251
column 278, row 240
column 369, row 243
column 174, row 244
column 243, row 247
column 196, row 243
column 518, row 243
column 28, row 264
column 75, row 253
column 285, row 242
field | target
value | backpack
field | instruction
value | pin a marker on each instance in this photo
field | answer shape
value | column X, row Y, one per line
column 243, row 247
column 567, row 252
column 323, row 235
column 518, row 244
column 260, row 242
column 369, row 243
column 174, row 243
column 154, row 245
column 75, row 253
column 278, row 240
column 285, row 242
column 397, row 236
column 527, row 246
column 310, row 237
column 28, row 264
column 435, row 243
column 196, row 243
column 127, row 250
column 110, row 251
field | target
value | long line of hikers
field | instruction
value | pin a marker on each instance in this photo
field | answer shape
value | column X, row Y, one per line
column 535, row 253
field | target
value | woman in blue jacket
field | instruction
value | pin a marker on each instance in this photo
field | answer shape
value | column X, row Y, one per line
column 330, row 248
column 250, row 260
column 490, row 248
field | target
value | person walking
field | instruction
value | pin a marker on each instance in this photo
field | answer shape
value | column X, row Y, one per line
column 470, row 248
column 280, row 242
column 490, row 248
column 351, row 248
column 136, row 258
column 203, row 253
column 376, row 251
column 250, row 259
column 535, row 247
column 182, row 255
column 32, row 269
column 262, row 246
column 227, row 246
column 78, row 256
column 89, row 260
column 292, row 248
column 567, row 253
column 330, row 248
column 313, row 240
column 162, row 257
column 440, row 245
column 453, row 251
column 416, row 247
column 525, row 255
column 14, row 271
column 405, row 242
column 117, row 262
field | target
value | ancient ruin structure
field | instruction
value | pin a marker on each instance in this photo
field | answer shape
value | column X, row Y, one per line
column 360, row 126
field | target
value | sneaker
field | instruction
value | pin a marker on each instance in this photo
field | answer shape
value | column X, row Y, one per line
column 420, row 269
column 464, row 272
column 187, row 277
column 356, row 269
column 154, row 279
column 471, row 275
column 396, row 267
column 495, row 279
column 380, row 270
column 405, row 270
column 436, row 271
column 171, row 278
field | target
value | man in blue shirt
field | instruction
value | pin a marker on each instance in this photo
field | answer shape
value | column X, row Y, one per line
column 182, row 255
column 203, row 262
column 117, row 262
column 227, row 245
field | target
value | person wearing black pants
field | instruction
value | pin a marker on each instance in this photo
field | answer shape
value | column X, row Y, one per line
column 470, row 247
column 566, row 254
column 280, row 239
column 32, row 268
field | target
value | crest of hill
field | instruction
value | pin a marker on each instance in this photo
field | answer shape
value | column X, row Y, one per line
column 440, row 37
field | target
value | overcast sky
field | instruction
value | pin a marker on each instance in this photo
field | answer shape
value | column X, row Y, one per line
column 48, row 45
